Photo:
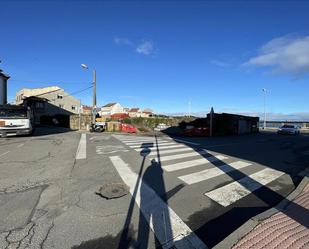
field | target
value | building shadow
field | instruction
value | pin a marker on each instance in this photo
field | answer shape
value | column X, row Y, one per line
column 43, row 130
column 225, row 220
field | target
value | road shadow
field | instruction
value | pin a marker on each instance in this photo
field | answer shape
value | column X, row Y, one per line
column 150, row 192
column 225, row 220
column 49, row 130
column 39, row 131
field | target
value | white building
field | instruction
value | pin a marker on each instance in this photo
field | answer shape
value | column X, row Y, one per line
column 147, row 113
column 111, row 108
column 135, row 113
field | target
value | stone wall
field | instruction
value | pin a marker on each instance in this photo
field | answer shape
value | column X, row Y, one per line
column 84, row 124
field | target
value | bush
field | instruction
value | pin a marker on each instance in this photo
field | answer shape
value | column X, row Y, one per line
column 143, row 129
column 127, row 121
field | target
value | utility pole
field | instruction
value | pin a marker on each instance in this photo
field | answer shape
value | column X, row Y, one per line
column 94, row 107
column 211, row 116
column 94, row 85
column 79, row 114
column 264, row 93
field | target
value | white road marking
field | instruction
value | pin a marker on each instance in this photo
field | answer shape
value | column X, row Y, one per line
column 109, row 149
column 82, row 148
column 234, row 191
column 169, row 232
column 162, row 147
column 187, row 142
column 4, row 153
column 146, row 142
column 151, row 145
column 135, row 138
column 193, row 163
column 164, row 152
column 213, row 172
column 184, row 155
column 20, row 145
column 141, row 142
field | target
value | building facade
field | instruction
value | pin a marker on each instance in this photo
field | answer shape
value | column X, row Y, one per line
column 135, row 113
column 147, row 113
column 110, row 109
column 59, row 102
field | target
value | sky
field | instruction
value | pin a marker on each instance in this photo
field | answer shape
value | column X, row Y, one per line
column 170, row 56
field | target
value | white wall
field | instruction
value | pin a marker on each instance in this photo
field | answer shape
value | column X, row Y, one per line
column 117, row 108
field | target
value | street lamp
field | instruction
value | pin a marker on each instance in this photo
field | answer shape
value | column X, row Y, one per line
column 94, row 82
column 264, row 93
column 84, row 66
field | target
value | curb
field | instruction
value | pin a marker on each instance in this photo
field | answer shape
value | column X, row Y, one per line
column 248, row 226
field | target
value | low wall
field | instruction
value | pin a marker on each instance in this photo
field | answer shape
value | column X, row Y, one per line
column 84, row 123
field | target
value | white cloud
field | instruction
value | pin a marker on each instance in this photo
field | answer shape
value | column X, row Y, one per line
column 145, row 48
column 123, row 41
column 286, row 54
column 220, row 63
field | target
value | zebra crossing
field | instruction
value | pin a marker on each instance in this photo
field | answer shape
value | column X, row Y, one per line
column 175, row 157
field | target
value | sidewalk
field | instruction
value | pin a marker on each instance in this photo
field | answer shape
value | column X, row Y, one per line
column 287, row 228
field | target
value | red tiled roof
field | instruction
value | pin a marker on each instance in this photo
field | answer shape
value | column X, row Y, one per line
column 86, row 107
column 109, row 104
column 134, row 110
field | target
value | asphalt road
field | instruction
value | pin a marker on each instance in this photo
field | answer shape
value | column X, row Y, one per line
column 186, row 192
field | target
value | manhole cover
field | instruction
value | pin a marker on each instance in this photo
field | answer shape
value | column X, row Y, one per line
column 113, row 190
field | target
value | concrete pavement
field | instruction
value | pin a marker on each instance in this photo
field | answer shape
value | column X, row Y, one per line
column 186, row 192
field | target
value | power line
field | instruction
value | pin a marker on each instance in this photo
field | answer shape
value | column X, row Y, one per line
column 40, row 82
column 73, row 93
column 70, row 94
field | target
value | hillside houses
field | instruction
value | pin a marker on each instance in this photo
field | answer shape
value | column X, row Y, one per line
column 110, row 109
column 117, row 110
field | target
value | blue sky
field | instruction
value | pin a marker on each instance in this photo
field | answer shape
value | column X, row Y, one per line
column 163, row 54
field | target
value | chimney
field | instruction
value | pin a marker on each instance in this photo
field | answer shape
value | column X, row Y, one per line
column 3, row 87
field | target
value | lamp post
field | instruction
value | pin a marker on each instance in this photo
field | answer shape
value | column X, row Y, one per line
column 264, row 93
column 94, row 82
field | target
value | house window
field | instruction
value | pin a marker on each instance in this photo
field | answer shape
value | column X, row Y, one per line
column 59, row 96
column 61, row 106
column 73, row 107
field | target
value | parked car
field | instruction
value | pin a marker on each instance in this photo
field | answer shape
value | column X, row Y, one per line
column 197, row 132
column 289, row 129
column 128, row 128
column 161, row 127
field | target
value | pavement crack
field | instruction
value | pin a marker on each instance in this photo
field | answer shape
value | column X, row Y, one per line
column 29, row 231
column 46, row 236
column 32, row 234
column 6, row 240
